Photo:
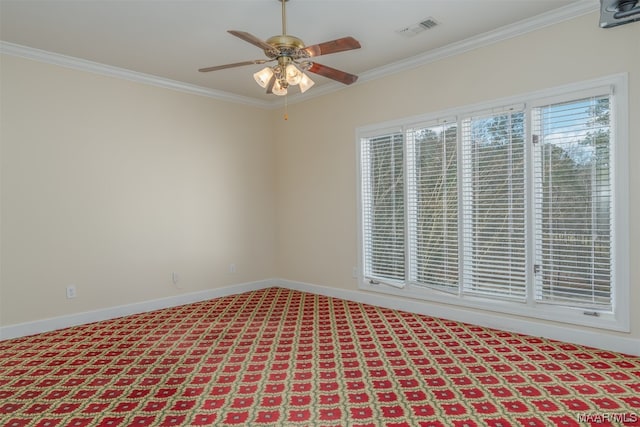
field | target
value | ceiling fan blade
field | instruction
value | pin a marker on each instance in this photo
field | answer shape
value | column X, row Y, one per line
column 250, row 38
column 235, row 64
column 271, row 83
column 332, row 73
column 333, row 46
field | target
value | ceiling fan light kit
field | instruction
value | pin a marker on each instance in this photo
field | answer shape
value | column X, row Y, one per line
column 293, row 59
column 263, row 76
column 305, row 83
column 293, row 75
column 278, row 78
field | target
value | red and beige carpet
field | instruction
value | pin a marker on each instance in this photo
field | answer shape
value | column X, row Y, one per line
column 277, row 357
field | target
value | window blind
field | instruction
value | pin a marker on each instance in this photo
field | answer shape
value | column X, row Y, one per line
column 494, row 204
column 433, row 208
column 383, row 207
column 573, row 203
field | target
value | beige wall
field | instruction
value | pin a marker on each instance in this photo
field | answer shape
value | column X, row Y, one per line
column 316, row 151
column 113, row 185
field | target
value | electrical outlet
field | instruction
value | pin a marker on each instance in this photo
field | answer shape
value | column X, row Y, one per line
column 71, row 291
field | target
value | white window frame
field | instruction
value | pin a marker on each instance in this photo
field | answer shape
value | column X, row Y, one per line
column 619, row 318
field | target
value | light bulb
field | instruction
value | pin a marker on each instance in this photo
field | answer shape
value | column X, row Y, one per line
column 293, row 75
column 305, row 83
column 278, row 89
column 263, row 76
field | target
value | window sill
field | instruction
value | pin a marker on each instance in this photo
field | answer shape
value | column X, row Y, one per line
column 548, row 312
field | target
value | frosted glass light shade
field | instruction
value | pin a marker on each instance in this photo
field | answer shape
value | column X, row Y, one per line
column 305, row 83
column 278, row 89
column 293, row 75
column 263, row 76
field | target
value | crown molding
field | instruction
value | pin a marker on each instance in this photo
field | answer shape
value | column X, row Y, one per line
column 122, row 73
column 503, row 33
column 500, row 34
column 556, row 16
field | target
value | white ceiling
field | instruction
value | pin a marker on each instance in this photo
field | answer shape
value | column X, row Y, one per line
column 172, row 39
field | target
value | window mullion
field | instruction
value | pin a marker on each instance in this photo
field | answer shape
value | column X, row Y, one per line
column 531, row 207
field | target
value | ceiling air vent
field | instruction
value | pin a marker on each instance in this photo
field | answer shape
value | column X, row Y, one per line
column 415, row 29
column 428, row 23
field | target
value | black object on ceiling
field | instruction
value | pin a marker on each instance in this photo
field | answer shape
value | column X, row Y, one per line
column 618, row 12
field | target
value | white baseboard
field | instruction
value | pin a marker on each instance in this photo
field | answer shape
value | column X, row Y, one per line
column 61, row 322
column 592, row 338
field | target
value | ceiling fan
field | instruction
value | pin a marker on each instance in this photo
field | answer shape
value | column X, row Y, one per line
column 292, row 59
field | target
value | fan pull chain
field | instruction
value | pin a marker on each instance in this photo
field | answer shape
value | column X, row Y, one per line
column 286, row 107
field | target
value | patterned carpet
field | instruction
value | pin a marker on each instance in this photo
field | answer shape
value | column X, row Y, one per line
column 277, row 357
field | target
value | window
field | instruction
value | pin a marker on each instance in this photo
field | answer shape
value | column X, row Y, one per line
column 509, row 206
column 433, row 212
column 573, row 202
column 494, row 199
column 383, row 204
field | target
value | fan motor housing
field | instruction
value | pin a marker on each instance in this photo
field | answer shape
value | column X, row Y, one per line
column 284, row 44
